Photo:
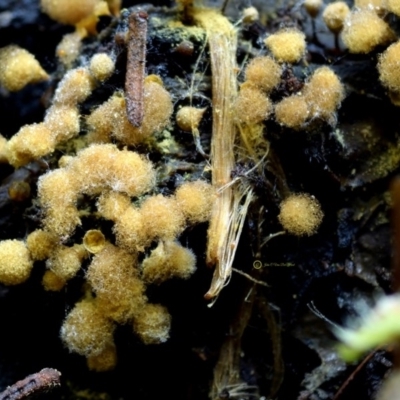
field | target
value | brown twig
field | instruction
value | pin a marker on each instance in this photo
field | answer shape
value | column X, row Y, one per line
column 354, row 373
column 135, row 67
column 46, row 379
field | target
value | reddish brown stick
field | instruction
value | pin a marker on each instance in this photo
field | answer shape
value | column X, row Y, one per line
column 135, row 71
column 42, row 381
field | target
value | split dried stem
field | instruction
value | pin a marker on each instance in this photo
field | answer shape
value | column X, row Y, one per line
column 228, row 214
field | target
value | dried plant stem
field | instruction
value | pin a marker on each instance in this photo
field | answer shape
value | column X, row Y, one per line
column 228, row 214
column 40, row 382
column 226, row 379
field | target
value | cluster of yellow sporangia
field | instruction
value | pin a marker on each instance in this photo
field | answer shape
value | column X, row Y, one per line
column 319, row 99
column 116, row 279
column 118, row 180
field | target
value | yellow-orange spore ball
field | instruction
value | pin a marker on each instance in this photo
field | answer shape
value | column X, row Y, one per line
column 65, row 261
column 130, row 232
column 94, row 241
column 74, row 88
column 188, row 118
column 52, row 282
column 168, row 260
column 263, row 72
column 300, row 214
column 106, row 360
column 111, row 205
column 69, row 48
column 61, row 220
column 323, row 92
column 29, row 143
column 16, row 263
column 393, row 6
column 103, row 120
column 101, row 66
column 292, row 112
column 102, row 166
column 195, row 200
column 335, row 14
column 287, row 45
column 163, row 217
column 389, row 67
column 63, row 122
column 85, row 330
column 153, row 323
column 57, row 188
column 68, row 12
column 58, row 194
column 18, row 68
column 313, row 7
column 252, row 106
column 364, row 30
column 133, row 174
column 41, row 244
column 113, row 275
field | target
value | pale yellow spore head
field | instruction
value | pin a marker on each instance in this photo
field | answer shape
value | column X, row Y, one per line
column 335, row 14
column 68, row 12
column 364, row 30
column 41, row 244
column 292, row 112
column 111, row 205
column 133, row 174
column 389, row 67
column 188, row 118
column 65, row 261
column 85, row 330
column 113, row 275
column 129, row 229
column 287, row 45
column 106, row 360
column 168, row 260
column 163, row 217
column 250, row 15
column 393, row 6
column 252, row 106
column 300, row 214
column 153, row 324
column 101, row 66
column 63, row 122
column 195, row 199
column 74, row 88
column 52, row 282
column 313, row 7
column 69, row 48
column 19, row 68
column 106, row 118
column 16, row 263
column 264, row 73
column 30, row 143
column 324, row 93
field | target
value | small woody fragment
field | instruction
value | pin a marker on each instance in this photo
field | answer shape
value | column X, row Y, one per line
column 42, row 381
column 135, row 67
